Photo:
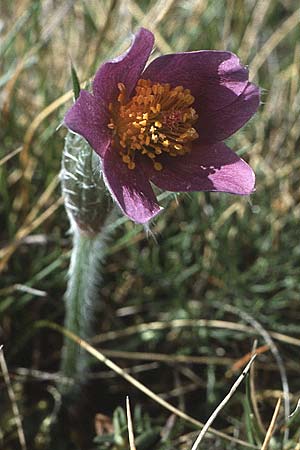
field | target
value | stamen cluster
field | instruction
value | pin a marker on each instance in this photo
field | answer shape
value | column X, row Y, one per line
column 157, row 119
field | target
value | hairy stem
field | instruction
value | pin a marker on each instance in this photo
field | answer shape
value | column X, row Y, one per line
column 90, row 212
column 82, row 304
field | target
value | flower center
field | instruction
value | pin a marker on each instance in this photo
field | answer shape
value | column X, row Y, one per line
column 157, row 119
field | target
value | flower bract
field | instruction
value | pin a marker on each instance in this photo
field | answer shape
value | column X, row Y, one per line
column 165, row 124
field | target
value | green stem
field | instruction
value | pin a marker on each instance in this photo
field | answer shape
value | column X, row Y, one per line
column 81, row 298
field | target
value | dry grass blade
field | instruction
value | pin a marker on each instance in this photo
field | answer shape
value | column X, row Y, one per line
column 173, row 358
column 222, row 404
column 254, row 27
column 276, row 354
column 13, row 401
column 296, row 409
column 43, row 199
column 117, row 369
column 272, row 425
column 140, row 328
column 287, row 26
column 136, row 12
column 253, row 395
column 130, row 426
column 10, row 155
column 7, row 252
column 167, row 358
column 9, row 89
column 242, row 361
column 24, row 157
column 31, row 222
column 55, row 19
column 158, row 12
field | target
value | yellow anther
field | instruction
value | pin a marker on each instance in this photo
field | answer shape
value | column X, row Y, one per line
column 178, row 146
column 126, row 159
column 131, row 165
column 157, row 119
column 190, row 99
column 121, row 87
column 178, row 89
column 158, row 166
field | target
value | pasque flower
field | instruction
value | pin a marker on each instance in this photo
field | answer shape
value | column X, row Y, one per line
column 166, row 124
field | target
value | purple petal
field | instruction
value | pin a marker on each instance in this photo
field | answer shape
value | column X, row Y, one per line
column 215, row 78
column 126, row 69
column 88, row 118
column 218, row 125
column 206, row 168
column 130, row 188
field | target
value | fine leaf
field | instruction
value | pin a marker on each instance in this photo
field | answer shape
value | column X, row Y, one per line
column 75, row 82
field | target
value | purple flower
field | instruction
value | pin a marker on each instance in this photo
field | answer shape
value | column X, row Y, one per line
column 165, row 124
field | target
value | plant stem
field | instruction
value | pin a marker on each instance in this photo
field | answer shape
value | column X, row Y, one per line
column 81, row 298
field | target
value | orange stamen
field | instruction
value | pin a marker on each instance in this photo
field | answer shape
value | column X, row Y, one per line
column 157, row 119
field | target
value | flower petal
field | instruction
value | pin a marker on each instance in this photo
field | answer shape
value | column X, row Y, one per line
column 88, row 118
column 215, row 78
column 219, row 125
column 130, row 188
column 206, row 168
column 125, row 69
